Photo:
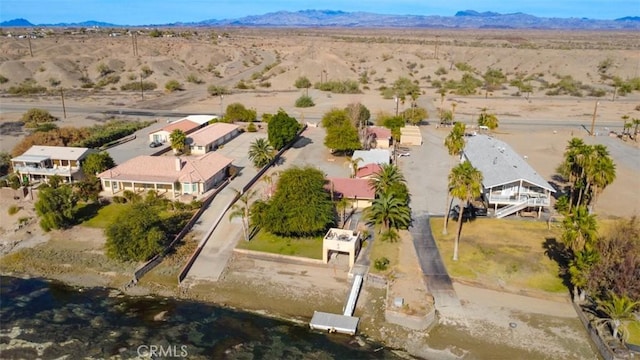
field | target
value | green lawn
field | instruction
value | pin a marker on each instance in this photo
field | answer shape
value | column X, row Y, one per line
column 270, row 243
column 633, row 330
column 496, row 252
column 104, row 216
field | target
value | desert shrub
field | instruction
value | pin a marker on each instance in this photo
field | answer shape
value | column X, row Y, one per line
column 339, row 87
column 100, row 135
column 155, row 33
column 381, row 264
column 215, row 90
column 173, row 85
column 3, row 79
column 265, row 84
column 441, row 71
column 304, row 101
column 27, row 87
column 145, row 71
column 103, row 69
column 54, row 82
column 4, row 183
column 251, row 127
column 243, row 85
column 45, row 127
column 566, row 86
column 194, row 79
column 137, row 86
column 302, row 83
column 35, row 117
column 107, row 80
column 463, row 66
column 597, row 92
column 13, row 209
column 266, row 117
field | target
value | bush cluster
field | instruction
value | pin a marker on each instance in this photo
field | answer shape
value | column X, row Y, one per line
column 339, row 87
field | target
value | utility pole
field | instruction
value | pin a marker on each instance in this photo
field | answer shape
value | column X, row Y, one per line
column 593, row 121
column 141, row 88
column 64, row 109
column 221, row 106
column 395, row 98
column 30, row 50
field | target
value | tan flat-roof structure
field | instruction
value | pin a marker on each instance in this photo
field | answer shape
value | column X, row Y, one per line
column 410, row 135
column 341, row 240
column 211, row 137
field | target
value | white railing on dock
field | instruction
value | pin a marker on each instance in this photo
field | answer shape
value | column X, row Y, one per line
column 353, row 296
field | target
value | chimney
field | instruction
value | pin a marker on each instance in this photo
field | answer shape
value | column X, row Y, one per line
column 178, row 164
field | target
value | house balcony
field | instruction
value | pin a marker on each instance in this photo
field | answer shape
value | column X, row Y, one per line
column 532, row 199
column 43, row 171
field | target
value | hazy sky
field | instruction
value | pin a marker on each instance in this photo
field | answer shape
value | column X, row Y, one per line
column 142, row 12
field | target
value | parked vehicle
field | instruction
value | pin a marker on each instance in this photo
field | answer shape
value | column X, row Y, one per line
column 404, row 154
column 155, row 144
column 470, row 212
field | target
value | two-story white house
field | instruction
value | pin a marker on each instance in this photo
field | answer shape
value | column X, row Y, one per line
column 39, row 163
column 509, row 183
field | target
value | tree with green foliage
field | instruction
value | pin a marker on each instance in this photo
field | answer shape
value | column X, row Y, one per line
column 178, row 140
column 579, row 267
column 88, row 189
column 493, row 80
column 96, row 163
column 487, row 119
column 56, row 206
column 353, row 164
column 465, row 183
column 261, row 152
column 237, row 112
column 334, row 117
column 35, row 117
column 5, row 163
column 136, row 234
column 217, row 90
column 415, row 115
column 384, row 180
column 402, row 88
column 394, row 123
column 282, row 129
column 301, row 206
column 342, row 138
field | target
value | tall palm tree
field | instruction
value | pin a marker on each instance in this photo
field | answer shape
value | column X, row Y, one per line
column 580, row 229
column 387, row 211
column 579, row 268
column 636, row 124
column 586, row 157
column 569, row 168
column 465, row 183
column 353, row 165
column 454, row 142
column 388, row 176
column 341, row 209
column 242, row 209
column 261, row 152
column 617, row 308
column 601, row 174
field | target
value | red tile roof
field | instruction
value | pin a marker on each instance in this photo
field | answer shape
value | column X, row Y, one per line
column 351, row 188
column 166, row 169
column 379, row 132
column 368, row 170
column 185, row 125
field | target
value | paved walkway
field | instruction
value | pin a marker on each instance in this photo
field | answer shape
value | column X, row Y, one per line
column 426, row 171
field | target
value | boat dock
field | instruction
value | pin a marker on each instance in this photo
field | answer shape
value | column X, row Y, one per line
column 345, row 323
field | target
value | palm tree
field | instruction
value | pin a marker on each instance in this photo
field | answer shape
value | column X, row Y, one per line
column 242, row 209
column 353, row 165
column 388, row 176
column 601, row 174
column 268, row 180
column 488, row 120
column 446, row 117
column 569, row 168
column 580, row 229
column 454, row 142
column 178, row 140
column 388, row 211
column 586, row 157
column 636, row 124
column 261, row 152
column 625, row 128
column 341, row 209
column 579, row 268
column 617, row 308
column 465, row 183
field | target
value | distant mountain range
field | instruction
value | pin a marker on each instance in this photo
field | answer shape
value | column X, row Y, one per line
column 468, row 19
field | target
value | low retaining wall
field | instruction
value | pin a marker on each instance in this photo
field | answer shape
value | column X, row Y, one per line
column 605, row 351
column 411, row 321
column 279, row 258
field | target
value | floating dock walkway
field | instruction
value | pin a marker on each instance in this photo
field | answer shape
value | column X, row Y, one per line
column 345, row 323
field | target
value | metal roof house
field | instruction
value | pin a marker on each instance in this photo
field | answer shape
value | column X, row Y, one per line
column 373, row 156
column 509, row 183
column 42, row 162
